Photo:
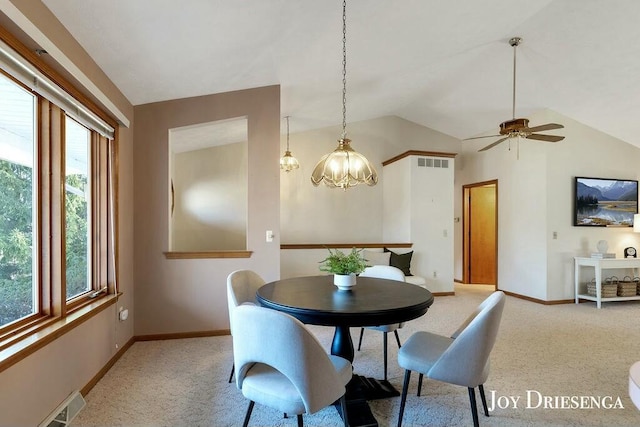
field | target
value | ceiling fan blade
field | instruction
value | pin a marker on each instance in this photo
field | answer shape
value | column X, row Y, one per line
column 480, row 137
column 548, row 126
column 494, row 144
column 547, row 138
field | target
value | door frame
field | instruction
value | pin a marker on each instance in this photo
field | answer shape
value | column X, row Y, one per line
column 466, row 247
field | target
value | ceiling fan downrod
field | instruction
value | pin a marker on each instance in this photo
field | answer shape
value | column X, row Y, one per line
column 515, row 42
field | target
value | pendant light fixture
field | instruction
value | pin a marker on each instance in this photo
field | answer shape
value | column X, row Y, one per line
column 344, row 167
column 288, row 162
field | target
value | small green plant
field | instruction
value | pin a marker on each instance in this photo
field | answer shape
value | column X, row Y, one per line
column 340, row 263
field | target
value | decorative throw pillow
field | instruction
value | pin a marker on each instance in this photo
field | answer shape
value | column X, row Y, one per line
column 401, row 261
column 376, row 258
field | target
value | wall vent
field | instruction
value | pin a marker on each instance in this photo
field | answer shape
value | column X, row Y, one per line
column 426, row 162
column 65, row 412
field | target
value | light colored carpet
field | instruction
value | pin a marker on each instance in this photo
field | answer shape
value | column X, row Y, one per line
column 561, row 350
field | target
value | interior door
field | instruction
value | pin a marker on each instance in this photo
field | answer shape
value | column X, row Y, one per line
column 481, row 229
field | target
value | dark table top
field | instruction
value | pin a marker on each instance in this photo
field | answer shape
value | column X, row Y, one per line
column 372, row 302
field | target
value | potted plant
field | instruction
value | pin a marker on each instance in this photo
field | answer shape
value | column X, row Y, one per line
column 344, row 267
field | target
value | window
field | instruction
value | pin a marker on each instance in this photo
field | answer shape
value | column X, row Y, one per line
column 77, row 217
column 18, row 279
column 56, row 202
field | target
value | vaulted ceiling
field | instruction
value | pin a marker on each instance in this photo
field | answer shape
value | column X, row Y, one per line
column 446, row 65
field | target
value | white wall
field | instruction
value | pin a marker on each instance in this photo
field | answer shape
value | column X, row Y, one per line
column 422, row 213
column 321, row 215
column 535, row 198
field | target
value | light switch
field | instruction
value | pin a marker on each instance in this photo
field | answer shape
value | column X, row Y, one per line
column 269, row 236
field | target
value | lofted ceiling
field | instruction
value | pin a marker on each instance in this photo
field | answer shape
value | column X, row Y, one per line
column 444, row 65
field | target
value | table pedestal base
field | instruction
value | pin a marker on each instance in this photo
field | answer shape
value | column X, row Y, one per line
column 359, row 390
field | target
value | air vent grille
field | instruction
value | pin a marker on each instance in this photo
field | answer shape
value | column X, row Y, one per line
column 428, row 162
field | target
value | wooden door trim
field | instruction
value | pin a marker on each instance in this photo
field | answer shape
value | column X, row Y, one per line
column 465, row 227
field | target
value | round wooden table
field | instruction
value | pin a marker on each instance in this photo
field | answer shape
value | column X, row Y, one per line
column 372, row 302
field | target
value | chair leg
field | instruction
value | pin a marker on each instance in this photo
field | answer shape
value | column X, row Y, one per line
column 246, row 417
column 419, row 384
column 384, row 344
column 360, row 340
column 343, row 407
column 474, row 406
column 300, row 423
column 233, row 368
column 403, row 399
column 397, row 338
column 484, row 399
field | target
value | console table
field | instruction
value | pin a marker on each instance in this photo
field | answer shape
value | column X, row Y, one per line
column 599, row 264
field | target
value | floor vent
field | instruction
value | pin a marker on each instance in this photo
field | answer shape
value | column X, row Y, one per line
column 65, row 412
column 426, row 162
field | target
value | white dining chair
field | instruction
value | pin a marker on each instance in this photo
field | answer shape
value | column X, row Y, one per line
column 241, row 289
column 282, row 365
column 462, row 359
column 391, row 273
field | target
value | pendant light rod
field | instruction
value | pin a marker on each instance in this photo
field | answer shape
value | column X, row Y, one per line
column 287, row 117
column 344, row 69
column 344, row 167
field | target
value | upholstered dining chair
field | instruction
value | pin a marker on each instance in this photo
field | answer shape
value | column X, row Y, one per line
column 462, row 359
column 241, row 289
column 391, row 273
column 281, row 364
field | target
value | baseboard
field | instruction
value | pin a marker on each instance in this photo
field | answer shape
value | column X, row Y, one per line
column 539, row 301
column 97, row 377
column 180, row 335
column 443, row 294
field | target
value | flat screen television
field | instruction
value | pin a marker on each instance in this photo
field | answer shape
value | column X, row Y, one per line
column 603, row 202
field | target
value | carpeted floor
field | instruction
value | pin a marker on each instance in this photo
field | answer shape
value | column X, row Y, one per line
column 553, row 351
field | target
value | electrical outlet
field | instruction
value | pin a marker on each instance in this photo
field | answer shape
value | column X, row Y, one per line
column 435, row 274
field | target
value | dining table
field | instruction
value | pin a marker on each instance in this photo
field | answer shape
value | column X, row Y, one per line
column 372, row 301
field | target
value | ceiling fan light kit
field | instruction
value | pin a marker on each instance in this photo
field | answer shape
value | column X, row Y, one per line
column 519, row 127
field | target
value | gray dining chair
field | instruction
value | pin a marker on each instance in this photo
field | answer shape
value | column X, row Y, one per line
column 282, row 365
column 391, row 273
column 241, row 289
column 462, row 359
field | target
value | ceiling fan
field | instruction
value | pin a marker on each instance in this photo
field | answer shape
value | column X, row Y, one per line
column 519, row 128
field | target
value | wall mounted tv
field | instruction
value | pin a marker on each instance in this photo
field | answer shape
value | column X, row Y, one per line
column 602, row 202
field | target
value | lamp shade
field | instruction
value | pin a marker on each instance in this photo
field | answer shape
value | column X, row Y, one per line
column 344, row 168
column 636, row 223
column 288, row 162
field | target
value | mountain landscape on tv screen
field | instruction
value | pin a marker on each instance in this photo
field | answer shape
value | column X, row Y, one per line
column 616, row 190
column 603, row 202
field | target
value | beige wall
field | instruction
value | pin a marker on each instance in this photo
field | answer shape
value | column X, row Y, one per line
column 174, row 296
column 32, row 388
column 210, row 199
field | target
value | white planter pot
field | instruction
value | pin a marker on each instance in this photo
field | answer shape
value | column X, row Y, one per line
column 344, row 281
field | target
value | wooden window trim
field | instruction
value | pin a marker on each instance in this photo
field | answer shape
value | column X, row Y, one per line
column 55, row 316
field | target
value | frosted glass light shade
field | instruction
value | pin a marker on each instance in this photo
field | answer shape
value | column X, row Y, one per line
column 288, row 162
column 636, row 223
column 344, row 168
